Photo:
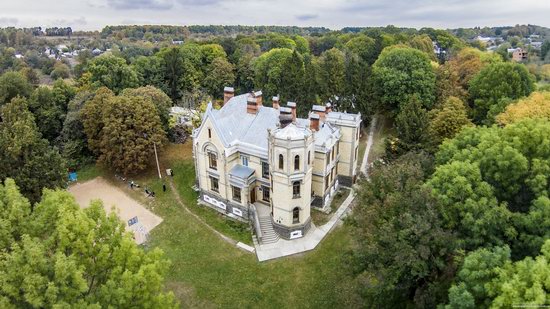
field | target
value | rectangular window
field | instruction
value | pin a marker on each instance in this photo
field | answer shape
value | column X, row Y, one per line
column 236, row 194
column 356, row 152
column 328, row 158
column 333, row 154
column 212, row 161
column 214, row 186
column 209, row 133
column 326, row 182
column 244, row 159
column 338, row 147
column 265, row 170
column 265, row 194
column 296, row 189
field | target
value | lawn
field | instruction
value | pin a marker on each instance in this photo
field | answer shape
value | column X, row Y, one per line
column 209, row 272
column 319, row 218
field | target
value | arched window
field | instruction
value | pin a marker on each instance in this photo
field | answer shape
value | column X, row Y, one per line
column 281, row 162
column 296, row 189
column 296, row 163
column 296, row 215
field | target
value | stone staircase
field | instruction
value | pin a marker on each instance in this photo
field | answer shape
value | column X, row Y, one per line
column 269, row 235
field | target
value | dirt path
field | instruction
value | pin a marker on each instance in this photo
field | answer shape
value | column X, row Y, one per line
column 370, row 141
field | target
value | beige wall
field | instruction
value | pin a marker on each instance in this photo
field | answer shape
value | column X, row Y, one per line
column 348, row 143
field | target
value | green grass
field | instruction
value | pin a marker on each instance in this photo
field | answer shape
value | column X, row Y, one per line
column 208, row 272
column 184, row 177
column 88, row 172
column 319, row 218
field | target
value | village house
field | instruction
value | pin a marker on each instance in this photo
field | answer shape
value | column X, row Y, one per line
column 519, row 54
column 267, row 166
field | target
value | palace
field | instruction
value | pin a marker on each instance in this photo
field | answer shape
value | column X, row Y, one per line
column 265, row 165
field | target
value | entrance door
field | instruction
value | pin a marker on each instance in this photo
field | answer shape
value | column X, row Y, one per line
column 252, row 195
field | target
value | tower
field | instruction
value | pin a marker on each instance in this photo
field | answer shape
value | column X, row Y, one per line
column 291, row 151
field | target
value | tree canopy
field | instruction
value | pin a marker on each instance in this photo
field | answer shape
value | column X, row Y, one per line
column 537, row 105
column 58, row 255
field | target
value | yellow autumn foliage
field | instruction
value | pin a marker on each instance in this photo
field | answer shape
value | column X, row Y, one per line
column 537, row 105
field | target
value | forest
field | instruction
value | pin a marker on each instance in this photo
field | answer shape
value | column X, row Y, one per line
column 454, row 214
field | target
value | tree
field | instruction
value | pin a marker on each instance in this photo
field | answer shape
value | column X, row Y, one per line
column 537, row 105
column 489, row 279
column 491, row 183
column 268, row 69
column 60, row 70
column 401, row 72
column 60, row 256
column 48, row 115
column 121, row 129
column 401, row 247
column 495, row 82
column 13, row 84
column 158, row 98
column 72, row 139
column 25, row 156
column 364, row 47
column 447, row 120
column 423, row 43
column 411, row 125
column 150, row 71
column 112, row 72
column 292, row 77
column 219, row 74
column 331, row 74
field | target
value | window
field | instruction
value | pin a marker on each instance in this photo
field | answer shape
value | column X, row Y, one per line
column 244, row 159
column 309, row 157
column 265, row 170
column 281, row 162
column 212, row 160
column 338, row 147
column 326, row 182
column 356, row 152
column 214, row 186
column 209, row 133
column 296, row 163
column 296, row 189
column 328, row 158
column 296, row 215
column 333, row 154
column 236, row 194
column 265, row 194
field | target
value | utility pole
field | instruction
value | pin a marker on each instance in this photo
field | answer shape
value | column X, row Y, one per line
column 157, row 158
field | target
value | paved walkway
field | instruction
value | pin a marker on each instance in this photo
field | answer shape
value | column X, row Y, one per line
column 313, row 237
column 370, row 141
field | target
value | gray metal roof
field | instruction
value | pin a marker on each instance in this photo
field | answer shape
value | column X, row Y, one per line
column 241, row 171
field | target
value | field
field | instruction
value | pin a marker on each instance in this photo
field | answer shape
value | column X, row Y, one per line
column 209, row 272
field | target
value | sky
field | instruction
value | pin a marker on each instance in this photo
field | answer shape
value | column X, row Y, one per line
column 333, row 14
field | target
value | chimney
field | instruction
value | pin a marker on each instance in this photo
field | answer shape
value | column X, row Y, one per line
column 328, row 108
column 285, row 116
column 314, row 122
column 319, row 110
column 276, row 102
column 251, row 105
column 228, row 93
column 258, row 96
column 292, row 106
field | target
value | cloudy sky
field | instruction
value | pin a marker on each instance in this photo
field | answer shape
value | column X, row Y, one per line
column 334, row 14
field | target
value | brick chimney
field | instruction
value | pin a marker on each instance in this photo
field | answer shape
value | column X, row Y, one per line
column 285, row 116
column 319, row 110
column 276, row 102
column 251, row 105
column 228, row 93
column 258, row 96
column 314, row 122
column 292, row 106
column 328, row 108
